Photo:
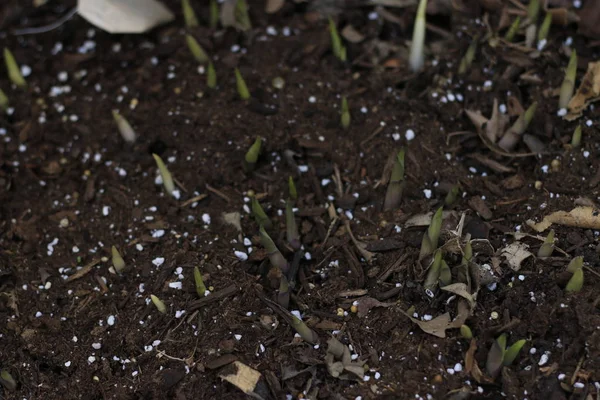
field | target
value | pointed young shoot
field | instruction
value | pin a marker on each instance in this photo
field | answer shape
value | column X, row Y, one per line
column 14, row 72
column 189, row 15
column 435, row 269
column 445, row 274
column 125, row 129
column 512, row 31
column 242, row 18
column 495, row 356
column 167, row 178
column 292, row 189
column 337, row 47
column 211, row 76
column 251, row 157
column 214, row 14
column 576, row 139
column 548, row 247
column 158, row 303
column 259, row 214
column 7, row 381
column 575, row 284
column 4, row 103
column 275, row 256
column 466, row 332
column 513, row 134
column 568, row 85
column 452, row 196
column 513, row 351
column 242, row 89
column 196, row 49
column 200, row 287
column 468, row 58
column 117, row 260
column 393, row 195
column 545, row 28
column 345, row 119
column 430, row 239
column 283, row 296
column 417, row 47
column 293, row 237
column 533, row 11
column 304, row 331
column 575, row 264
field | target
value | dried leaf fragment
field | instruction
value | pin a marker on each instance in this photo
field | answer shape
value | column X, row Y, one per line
column 515, row 253
column 588, row 92
column 580, row 217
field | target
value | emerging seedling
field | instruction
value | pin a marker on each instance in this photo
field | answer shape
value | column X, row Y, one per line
column 466, row 332
column 439, row 272
column 545, row 28
column 4, row 103
column 393, row 195
column 513, row 134
column 512, row 31
column 576, row 139
column 575, row 284
column 251, row 157
column 275, row 256
column 242, row 18
column 125, row 129
column 548, row 247
column 345, row 119
column 568, row 85
column 211, row 76
column 14, row 72
column 283, row 296
column 339, row 50
column 500, row 356
column 533, row 10
column 7, row 380
column 452, row 196
column 417, row 47
column 462, row 273
column 158, row 303
column 214, row 14
column 304, row 331
column 196, row 49
column 293, row 237
column 260, row 216
column 117, row 260
column 468, row 58
column 200, row 287
column 167, row 178
column 242, row 89
column 430, row 239
column 292, row 189
column 189, row 15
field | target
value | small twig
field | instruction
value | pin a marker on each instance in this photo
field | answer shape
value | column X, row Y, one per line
column 218, row 193
column 193, row 200
column 213, row 297
column 372, row 135
column 84, row 271
column 46, row 28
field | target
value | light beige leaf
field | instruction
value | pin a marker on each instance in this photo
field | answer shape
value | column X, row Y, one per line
column 124, row 16
column 580, row 217
column 588, row 92
column 241, row 376
column 272, row 6
column 436, row 327
column 352, row 35
column 425, row 219
column 461, row 290
column 366, row 303
column 515, row 253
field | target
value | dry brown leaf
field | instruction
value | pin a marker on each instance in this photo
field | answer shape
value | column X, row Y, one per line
column 515, row 253
column 352, row 35
column 272, row 6
column 366, row 303
column 461, row 290
column 436, row 327
column 478, row 205
column 589, row 16
column 580, row 217
column 588, row 92
column 241, row 376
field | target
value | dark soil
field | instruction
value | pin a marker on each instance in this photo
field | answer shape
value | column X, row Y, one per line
column 70, row 188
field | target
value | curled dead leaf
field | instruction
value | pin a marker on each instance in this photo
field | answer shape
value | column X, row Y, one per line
column 588, row 92
column 580, row 217
column 515, row 253
column 365, row 304
column 436, row 327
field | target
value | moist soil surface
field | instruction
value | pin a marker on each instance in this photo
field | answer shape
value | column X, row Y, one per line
column 71, row 188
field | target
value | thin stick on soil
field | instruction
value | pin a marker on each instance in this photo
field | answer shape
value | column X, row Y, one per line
column 218, row 193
